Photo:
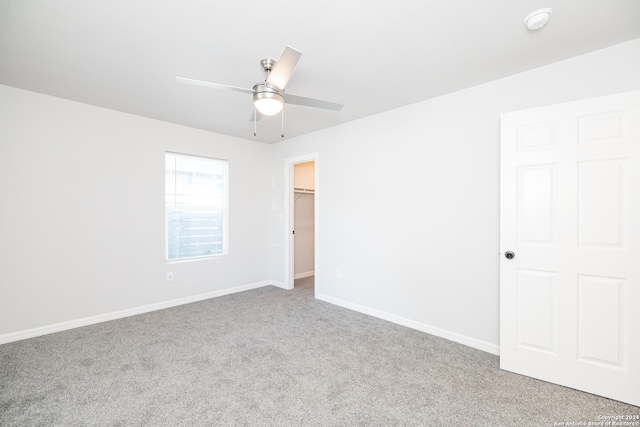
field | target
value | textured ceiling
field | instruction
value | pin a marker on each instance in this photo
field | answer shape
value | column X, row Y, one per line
column 371, row 56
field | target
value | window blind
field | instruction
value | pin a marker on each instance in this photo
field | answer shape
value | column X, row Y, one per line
column 195, row 205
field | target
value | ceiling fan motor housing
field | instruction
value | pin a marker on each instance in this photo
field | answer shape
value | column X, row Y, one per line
column 265, row 90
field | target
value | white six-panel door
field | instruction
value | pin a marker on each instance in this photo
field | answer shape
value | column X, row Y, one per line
column 570, row 212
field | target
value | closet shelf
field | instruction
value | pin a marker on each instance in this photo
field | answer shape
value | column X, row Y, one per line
column 303, row 190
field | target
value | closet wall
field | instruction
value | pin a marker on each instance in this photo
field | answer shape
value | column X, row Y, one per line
column 303, row 220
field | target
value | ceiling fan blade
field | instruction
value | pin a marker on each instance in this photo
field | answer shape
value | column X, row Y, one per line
column 283, row 70
column 184, row 80
column 311, row 102
column 257, row 117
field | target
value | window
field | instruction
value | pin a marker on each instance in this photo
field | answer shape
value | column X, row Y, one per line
column 195, row 206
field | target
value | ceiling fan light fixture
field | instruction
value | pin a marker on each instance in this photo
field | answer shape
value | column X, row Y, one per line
column 268, row 106
column 267, row 99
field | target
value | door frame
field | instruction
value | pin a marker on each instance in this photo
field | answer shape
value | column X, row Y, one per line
column 289, row 199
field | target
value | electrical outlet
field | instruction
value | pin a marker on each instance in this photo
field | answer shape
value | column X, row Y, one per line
column 338, row 274
column 169, row 276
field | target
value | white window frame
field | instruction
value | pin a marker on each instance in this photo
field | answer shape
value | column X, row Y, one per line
column 172, row 209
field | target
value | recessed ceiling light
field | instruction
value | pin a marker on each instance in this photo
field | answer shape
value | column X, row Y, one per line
column 538, row 19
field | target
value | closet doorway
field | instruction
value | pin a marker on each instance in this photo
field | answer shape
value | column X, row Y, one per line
column 301, row 219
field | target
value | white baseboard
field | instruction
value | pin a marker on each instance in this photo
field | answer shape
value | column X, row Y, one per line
column 303, row 275
column 439, row 332
column 278, row 284
column 59, row 327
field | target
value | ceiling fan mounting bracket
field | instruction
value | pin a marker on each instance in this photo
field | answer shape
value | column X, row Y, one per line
column 267, row 64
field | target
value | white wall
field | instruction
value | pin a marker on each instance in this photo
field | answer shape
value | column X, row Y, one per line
column 82, row 215
column 415, row 235
column 416, row 231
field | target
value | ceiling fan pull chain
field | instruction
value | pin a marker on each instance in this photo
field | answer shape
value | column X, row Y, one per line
column 255, row 119
column 282, row 115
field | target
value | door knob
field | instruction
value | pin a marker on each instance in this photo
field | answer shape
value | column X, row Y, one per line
column 509, row 255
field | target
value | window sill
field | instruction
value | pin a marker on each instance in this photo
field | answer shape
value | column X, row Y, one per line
column 201, row 258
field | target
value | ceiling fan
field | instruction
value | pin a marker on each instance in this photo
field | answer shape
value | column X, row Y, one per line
column 269, row 96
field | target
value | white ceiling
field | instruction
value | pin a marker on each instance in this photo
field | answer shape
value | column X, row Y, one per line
column 371, row 56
